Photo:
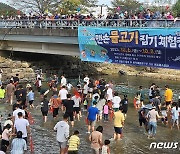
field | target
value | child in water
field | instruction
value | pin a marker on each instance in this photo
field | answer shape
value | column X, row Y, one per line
column 105, row 147
column 105, row 111
column 164, row 114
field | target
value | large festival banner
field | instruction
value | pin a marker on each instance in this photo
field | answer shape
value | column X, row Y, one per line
column 153, row 47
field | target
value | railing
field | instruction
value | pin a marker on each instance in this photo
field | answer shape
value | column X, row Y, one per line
column 73, row 24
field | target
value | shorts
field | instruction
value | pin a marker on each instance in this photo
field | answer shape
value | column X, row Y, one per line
column 175, row 121
column 71, row 115
column 73, row 152
column 23, row 102
column 118, row 130
column 138, row 102
column 124, row 111
column 100, row 112
column 168, row 103
column 76, row 109
column 144, row 121
column 4, row 142
column 90, row 90
column 31, row 102
column 92, row 123
column 44, row 113
column 62, row 145
column 9, row 96
column 63, row 101
column 55, row 112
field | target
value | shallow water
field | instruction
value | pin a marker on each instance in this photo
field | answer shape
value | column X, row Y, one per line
column 134, row 138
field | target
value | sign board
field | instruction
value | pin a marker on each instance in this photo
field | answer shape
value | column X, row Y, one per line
column 152, row 47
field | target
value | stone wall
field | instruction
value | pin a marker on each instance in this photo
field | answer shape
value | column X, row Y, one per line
column 28, row 64
column 11, row 68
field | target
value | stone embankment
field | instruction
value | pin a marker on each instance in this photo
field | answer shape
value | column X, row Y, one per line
column 156, row 73
column 13, row 67
column 27, row 66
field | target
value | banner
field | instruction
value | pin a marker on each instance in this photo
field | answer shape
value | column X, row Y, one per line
column 152, row 47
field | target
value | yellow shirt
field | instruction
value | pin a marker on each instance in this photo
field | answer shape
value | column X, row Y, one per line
column 2, row 93
column 168, row 95
column 118, row 119
column 74, row 142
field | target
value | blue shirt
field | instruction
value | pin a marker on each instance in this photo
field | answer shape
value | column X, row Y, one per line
column 18, row 146
column 30, row 96
column 92, row 111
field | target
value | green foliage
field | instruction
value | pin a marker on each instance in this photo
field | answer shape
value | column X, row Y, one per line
column 7, row 10
column 89, row 3
column 37, row 6
column 176, row 9
column 126, row 5
column 52, row 6
column 69, row 6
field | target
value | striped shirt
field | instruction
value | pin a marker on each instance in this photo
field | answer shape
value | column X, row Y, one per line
column 18, row 146
column 74, row 142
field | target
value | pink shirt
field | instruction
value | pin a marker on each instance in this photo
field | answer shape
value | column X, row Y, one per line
column 106, row 110
column 5, row 135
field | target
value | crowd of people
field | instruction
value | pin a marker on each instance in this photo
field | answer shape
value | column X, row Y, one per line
column 97, row 99
column 168, row 110
column 145, row 14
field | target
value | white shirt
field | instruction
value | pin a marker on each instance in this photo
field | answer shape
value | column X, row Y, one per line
column 63, row 81
column 62, row 129
column 104, row 150
column 69, row 86
column 175, row 113
column 38, row 76
column 85, row 89
column 39, row 83
column 21, row 125
column 86, row 79
column 8, row 122
column 63, row 94
column 109, row 94
column 116, row 101
column 164, row 113
column 76, row 100
column 94, row 95
column 15, row 113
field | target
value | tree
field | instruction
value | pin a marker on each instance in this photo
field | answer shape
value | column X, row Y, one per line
column 38, row 6
column 69, row 6
column 126, row 5
column 6, row 10
column 176, row 9
column 89, row 3
column 52, row 6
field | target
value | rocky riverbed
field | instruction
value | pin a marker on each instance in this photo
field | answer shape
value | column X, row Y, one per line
column 28, row 64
